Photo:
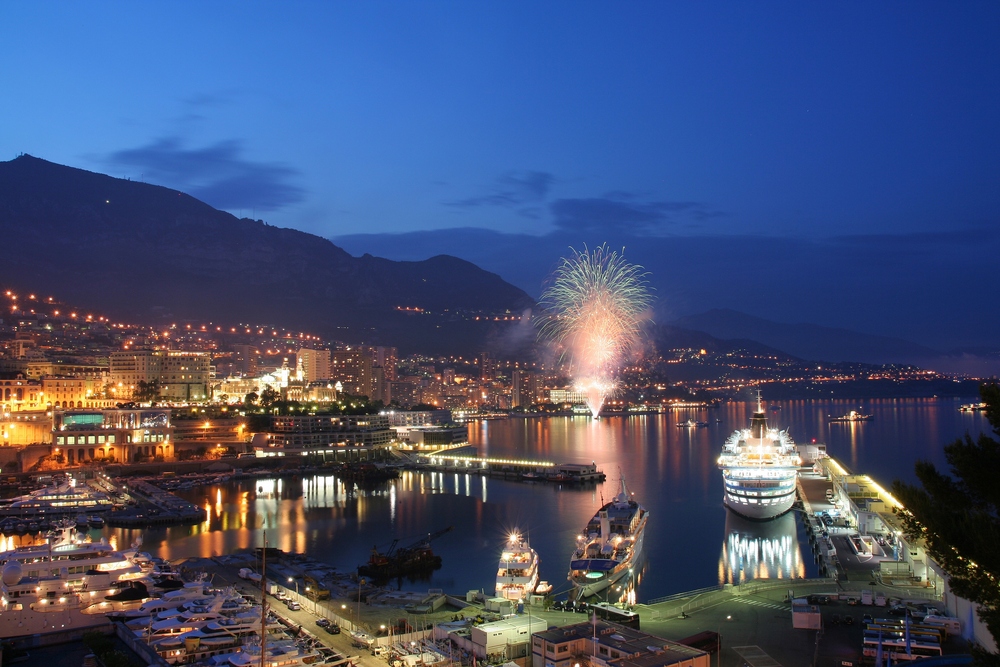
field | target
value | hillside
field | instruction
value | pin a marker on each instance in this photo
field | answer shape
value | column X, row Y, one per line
column 147, row 253
column 808, row 341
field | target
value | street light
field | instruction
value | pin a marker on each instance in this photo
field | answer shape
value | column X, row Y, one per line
column 361, row 583
column 290, row 580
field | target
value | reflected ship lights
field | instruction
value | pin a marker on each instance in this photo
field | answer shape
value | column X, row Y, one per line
column 760, row 551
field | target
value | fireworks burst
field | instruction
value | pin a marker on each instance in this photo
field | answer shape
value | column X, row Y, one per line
column 595, row 305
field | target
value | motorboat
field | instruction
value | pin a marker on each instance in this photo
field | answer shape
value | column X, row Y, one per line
column 517, row 575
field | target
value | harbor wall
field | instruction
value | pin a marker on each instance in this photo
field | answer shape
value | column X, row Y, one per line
column 61, row 637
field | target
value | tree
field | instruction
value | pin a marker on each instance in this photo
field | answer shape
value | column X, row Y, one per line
column 958, row 518
column 268, row 397
column 250, row 399
column 146, row 392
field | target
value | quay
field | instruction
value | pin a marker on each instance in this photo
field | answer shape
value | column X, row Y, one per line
column 510, row 469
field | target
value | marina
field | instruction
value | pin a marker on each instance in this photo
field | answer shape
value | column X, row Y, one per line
column 753, row 560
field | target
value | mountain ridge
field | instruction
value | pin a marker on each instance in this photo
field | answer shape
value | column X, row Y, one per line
column 160, row 252
column 805, row 340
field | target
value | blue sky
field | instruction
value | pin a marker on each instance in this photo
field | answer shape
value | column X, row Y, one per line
column 573, row 121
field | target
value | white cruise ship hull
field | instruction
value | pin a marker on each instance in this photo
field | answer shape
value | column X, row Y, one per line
column 748, row 500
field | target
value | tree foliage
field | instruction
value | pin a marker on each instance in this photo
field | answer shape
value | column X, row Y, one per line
column 146, row 392
column 268, row 397
column 957, row 515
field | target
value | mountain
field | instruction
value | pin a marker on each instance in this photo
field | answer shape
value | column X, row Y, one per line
column 930, row 287
column 146, row 253
column 808, row 341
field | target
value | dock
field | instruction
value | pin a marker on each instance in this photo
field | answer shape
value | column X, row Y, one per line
column 511, row 469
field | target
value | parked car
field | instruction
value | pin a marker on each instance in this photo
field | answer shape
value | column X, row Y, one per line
column 333, row 629
column 323, row 622
column 848, row 620
column 866, row 618
column 819, row 599
column 293, row 605
column 835, row 619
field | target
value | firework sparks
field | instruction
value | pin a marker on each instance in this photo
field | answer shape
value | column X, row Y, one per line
column 596, row 305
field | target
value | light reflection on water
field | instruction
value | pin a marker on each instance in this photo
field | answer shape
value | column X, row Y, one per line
column 762, row 550
column 671, row 470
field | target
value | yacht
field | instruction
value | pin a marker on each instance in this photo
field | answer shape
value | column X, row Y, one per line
column 852, row 416
column 517, row 576
column 68, row 581
column 64, row 498
column 282, row 653
column 760, row 467
column 610, row 545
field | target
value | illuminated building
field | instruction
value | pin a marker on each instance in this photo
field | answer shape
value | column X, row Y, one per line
column 601, row 644
column 325, row 431
column 120, row 435
column 315, row 364
column 353, row 369
column 182, row 376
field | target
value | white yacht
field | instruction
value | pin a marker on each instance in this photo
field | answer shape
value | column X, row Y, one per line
column 760, row 467
column 281, row 653
column 64, row 498
column 610, row 545
column 517, row 576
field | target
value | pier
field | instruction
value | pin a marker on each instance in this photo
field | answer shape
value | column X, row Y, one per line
column 512, row 469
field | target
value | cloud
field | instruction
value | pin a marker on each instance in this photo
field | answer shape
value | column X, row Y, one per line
column 514, row 189
column 620, row 212
column 217, row 174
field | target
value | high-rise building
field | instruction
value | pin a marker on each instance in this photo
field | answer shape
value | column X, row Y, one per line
column 353, row 369
column 385, row 357
column 487, row 367
column 245, row 360
column 524, row 390
column 181, row 376
column 315, row 364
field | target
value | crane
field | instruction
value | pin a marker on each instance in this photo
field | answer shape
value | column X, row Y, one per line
column 402, row 561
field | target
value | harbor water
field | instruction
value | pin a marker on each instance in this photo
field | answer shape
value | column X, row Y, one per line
column 691, row 540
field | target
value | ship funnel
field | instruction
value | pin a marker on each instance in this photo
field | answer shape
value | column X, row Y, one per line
column 758, row 423
column 605, row 526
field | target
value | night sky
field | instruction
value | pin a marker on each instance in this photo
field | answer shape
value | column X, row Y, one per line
column 837, row 163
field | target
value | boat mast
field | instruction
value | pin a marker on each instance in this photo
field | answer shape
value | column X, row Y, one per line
column 263, row 601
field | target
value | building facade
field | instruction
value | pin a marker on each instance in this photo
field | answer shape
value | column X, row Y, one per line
column 122, row 436
column 181, row 376
column 315, row 364
column 603, row 644
column 353, row 369
column 313, row 432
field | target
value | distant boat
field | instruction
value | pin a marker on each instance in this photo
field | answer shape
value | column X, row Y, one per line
column 852, row 416
column 972, row 407
column 691, row 424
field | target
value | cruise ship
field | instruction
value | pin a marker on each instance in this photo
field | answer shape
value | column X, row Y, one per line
column 759, row 469
column 610, row 545
column 517, row 575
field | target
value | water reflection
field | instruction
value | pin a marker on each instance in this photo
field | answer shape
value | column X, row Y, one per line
column 672, row 472
column 761, row 550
